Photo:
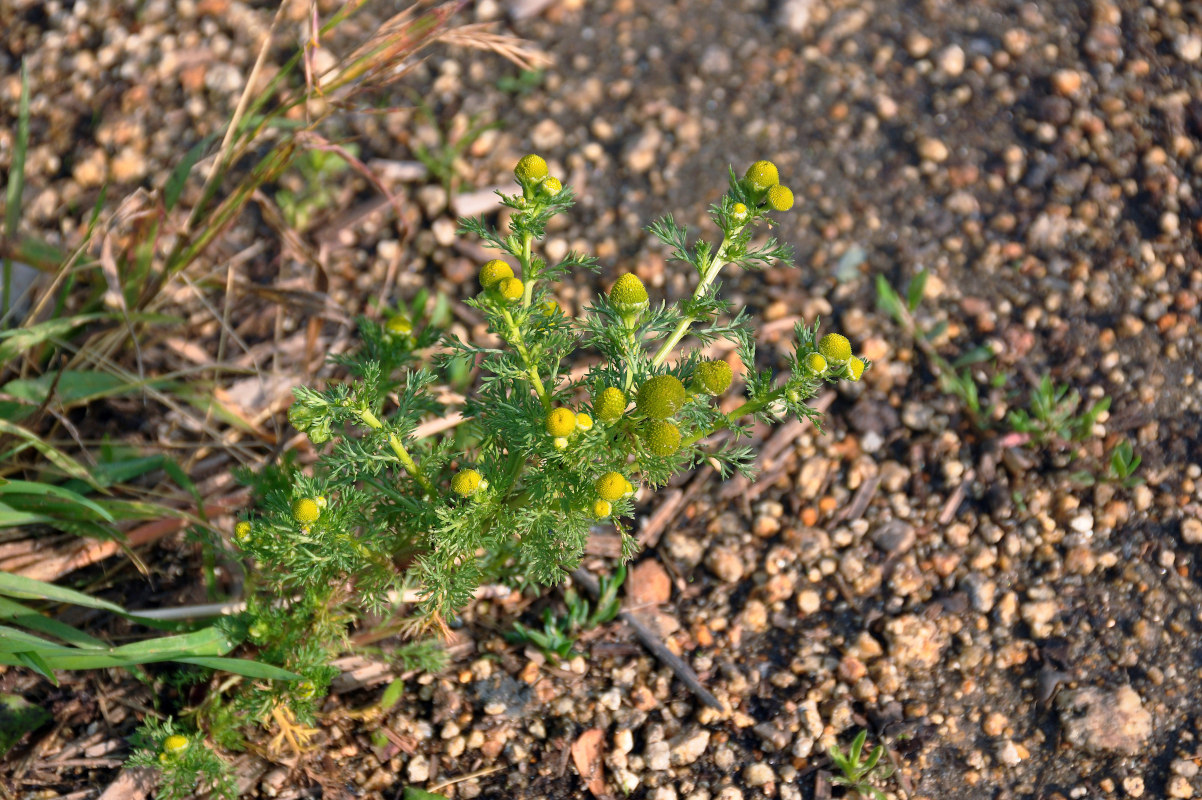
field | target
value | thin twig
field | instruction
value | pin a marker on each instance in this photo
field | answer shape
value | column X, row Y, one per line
column 653, row 644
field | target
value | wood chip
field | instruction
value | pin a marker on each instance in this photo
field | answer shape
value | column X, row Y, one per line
column 587, row 752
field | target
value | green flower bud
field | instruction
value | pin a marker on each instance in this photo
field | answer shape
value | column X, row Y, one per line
column 584, row 422
column 815, row 363
column 550, row 307
column 660, row 397
column 760, row 176
column 611, row 486
column 175, row 745
column 628, row 294
column 780, row 198
column 466, row 482
column 561, row 422
column 400, row 326
column 494, row 272
column 511, row 289
column 560, row 442
column 739, row 213
column 610, row 404
column 306, row 690
column 552, row 186
column 530, row 169
column 242, row 531
column 305, row 510
column 835, row 347
column 855, row 368
column 602, row 509
column 258, row 630
column 661, row 437
column 714, row 376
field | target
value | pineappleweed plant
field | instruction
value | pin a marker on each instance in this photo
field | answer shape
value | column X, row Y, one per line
column 541, row 457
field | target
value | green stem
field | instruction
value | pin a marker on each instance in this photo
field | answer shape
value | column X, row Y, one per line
column 519, row 344
column 402, row 454
column 528, row 276
column 709, row 272
column 750, row 407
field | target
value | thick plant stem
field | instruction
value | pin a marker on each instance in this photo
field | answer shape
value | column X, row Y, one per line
column 519, row 344
column 750, row 407
column 398, row 447
column 712, row 267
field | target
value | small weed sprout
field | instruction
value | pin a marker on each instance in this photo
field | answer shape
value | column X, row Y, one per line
column 1123, row 464
column 558, row 636
column 858, row 770
column 1053, row 414
column 185, row 763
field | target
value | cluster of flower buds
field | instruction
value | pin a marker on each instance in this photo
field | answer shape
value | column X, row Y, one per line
column 563, row 423
column 611, row 487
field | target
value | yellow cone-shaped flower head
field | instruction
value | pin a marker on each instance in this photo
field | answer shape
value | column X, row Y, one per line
column 584, row 422
column 602, row 509
column 242, row 531
column 816, row 363
column 611, row 486
column 739, row 213
column 551, row 185
column 660, row 397
column 175, row 744
column 760, row 176
column 305, row 510
column 466, row 482
column 531, row 169
column 511, row 289
column 835, row 347
column 855, row 368
column 398, row 325
column 780, row 198
column 661, row 437
column 561, row 422
column 494, row 272
column 609, row 404
column 628, row 294
column 714, row 376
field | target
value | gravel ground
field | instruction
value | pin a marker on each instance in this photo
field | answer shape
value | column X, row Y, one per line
column 1011, row 633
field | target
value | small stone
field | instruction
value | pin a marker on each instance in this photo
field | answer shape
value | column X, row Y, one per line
column 648, row 584
column 684, row 548
column 1010, row 755
column 418, row 769
column 658, row 756
column 91, row 170
column 894, row 537
column 995, row 724
column 725, row 564
column 808, row 601
column 1104, row 722
column 1133, row 785
column 914, row 642
column 129, row 165
column 642, row 154
column 1191, row 530
column 1188, row 46
column 865, row 647
column 794, row 15
column 1185, row 767
column 758, row 774
column 547, row 135
column 918, row 46
column 933, row 150
column 689, row 746
column 223, row 78
column 951, row 60
column 1066, row 82
column 1039, row 614
column 1179, row 786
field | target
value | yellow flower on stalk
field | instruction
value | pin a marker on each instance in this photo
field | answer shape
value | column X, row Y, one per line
column 816, row 363
column 739, row 213
column 466, row 482
column 855, row 368
column 561, row 422
column 661, row 437
column 175, row 745
column 511, row 289
column 761, row 175
column 714, row 376
column 610, row 404
column 530, row 168
column 494, row 272
column 780, row 198
column 399, row 325
column 628, row 294
column 242, row 531
column 584, row 422
column 660, row 397
column 602, row 509
column 552, row 186
column 611, row 486
column 835, row 347
column 305, row 510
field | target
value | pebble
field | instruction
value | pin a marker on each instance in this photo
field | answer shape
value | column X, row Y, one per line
column 758, row 774
column 808, row 602
column 1133, row 785
column 1191, row 530
column 794, row 15
column 933, row 150
column 1039, row 615
column 1188, row 46
column 1186, row 767
column 1010, row 754
column 1103, row 722
column 894, row 537
column 689, row 746
column 418, row 769
column 725, row 564
column 1179, row 786
column 951, row 60
column 642, row 153
column 1066, row 82
column 658, row 756
column 914, row 642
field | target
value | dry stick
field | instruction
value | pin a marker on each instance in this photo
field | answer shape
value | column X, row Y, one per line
column 654, row 645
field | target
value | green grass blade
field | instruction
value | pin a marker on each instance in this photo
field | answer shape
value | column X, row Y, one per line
column 16, row 186
column 242, row 666
column 23, row 588
column 33, row 488
column 58, row 458
column 35, row 662
column 28, row 618
column 15, row 342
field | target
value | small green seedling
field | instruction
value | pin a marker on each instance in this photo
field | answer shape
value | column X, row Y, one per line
column 558, row 636
column 857, row 771
column 1123, row 464
column 1053, row 414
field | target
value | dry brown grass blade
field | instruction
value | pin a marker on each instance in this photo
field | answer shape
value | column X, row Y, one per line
column 480, row 36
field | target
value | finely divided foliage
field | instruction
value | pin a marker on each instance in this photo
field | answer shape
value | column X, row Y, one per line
column 516, row 488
